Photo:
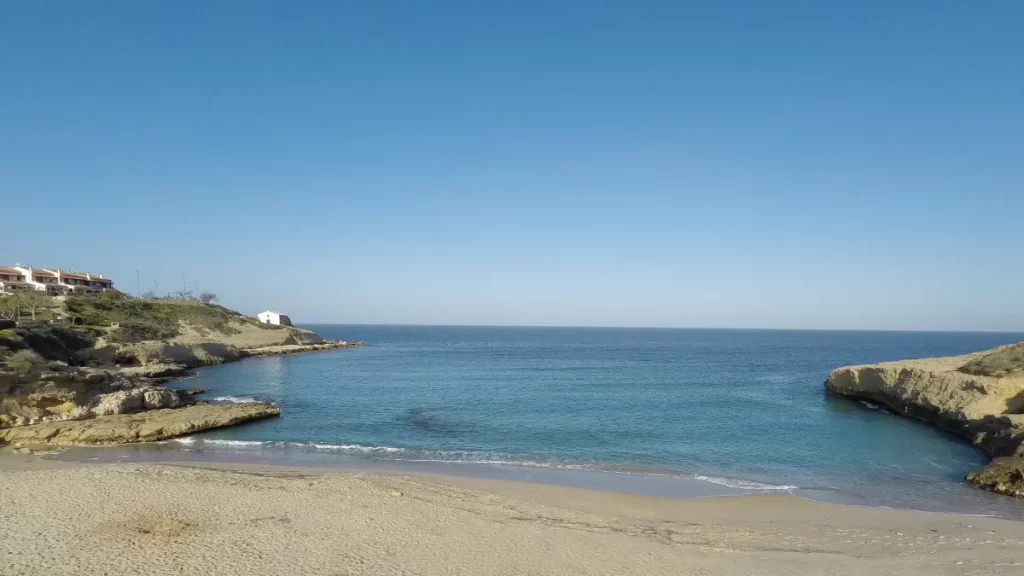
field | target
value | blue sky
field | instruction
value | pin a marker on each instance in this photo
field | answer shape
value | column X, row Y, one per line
column 714, row 164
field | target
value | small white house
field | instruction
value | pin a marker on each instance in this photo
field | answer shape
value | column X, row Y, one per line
column 277, row 318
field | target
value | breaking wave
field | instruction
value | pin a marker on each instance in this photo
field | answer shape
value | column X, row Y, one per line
column 234, row 399
column 393, row 454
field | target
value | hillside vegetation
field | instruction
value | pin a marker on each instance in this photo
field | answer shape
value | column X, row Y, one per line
column 1000, row 362
column 111, row 327
column 138, row 320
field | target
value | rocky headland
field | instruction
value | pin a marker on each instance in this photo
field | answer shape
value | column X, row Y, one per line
column 977, row 396
column 101, row 381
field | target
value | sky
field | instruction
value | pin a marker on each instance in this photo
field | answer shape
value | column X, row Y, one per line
column 734, row 164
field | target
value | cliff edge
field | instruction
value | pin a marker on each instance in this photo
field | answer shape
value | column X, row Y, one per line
column 978, row 396
column 96, row 375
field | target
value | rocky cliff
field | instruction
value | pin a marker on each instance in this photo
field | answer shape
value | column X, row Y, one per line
column 978, row 396
column 63, row 383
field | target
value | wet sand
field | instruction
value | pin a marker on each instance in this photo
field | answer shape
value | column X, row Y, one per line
column 69, row 518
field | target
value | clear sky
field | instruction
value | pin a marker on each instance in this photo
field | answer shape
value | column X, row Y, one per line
column 714, row 164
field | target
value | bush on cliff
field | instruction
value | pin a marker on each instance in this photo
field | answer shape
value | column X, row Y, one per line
column 9, row 339
column 1000, row 362
column 22, row 362
column 54, row 342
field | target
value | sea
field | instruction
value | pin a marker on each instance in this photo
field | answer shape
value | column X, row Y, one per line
column 664, row 412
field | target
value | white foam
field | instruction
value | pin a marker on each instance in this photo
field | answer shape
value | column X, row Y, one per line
column 238, row 443
column 354, row 448
column 234, row 399
column 742, row 484
column 441, row 457
column 871, row 406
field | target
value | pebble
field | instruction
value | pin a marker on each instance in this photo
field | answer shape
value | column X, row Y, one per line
column 396, row 493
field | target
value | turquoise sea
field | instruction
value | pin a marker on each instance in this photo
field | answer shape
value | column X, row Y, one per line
column 657, row 411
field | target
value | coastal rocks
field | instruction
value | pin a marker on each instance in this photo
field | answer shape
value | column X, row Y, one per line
column 180, row 354
column 980, row 406
column 75, row 394
column 101, row 354
column 149, row 426
column 137, row 400
column 1002, row 475
column 298, row 349
column 156, row 371
column 117, row 398
column 304, row 338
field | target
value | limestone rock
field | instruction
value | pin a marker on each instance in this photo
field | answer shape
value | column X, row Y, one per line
column 1002, row 475
column 118, row 403
column 985, row 409
column 146, row 426
column 157, row 370
column 74, row 394
column 304, row 337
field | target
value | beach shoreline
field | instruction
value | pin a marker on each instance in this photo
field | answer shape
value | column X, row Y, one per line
column 658, row 483
column 74, row 518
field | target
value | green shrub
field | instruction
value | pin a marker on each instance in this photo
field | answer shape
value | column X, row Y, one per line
column 23, row 361
column 56, row 342
column 161, row 316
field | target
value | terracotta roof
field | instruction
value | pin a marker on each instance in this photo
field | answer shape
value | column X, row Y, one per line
column 41, row 272
column 10, row 271
column 76, row 275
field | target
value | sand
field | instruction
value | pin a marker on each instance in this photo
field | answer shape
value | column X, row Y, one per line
column 151, row 519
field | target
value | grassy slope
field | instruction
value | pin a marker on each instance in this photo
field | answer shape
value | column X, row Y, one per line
column 1000, row 362
column 140, row 320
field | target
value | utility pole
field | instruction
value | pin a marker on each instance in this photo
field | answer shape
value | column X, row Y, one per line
column 138, row 287
column 184, row 287
column 155, row 293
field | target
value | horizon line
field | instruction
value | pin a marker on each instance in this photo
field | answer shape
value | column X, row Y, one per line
column 708, row 328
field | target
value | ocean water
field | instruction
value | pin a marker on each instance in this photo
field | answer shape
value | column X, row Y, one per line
column 669, row 412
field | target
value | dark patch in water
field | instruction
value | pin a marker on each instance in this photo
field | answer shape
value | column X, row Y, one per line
column 429, row 421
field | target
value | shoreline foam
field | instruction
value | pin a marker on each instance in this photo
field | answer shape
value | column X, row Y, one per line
column 675, row 484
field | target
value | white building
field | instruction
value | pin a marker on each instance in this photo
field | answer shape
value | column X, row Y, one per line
column 55, row 282
column 12, row 280
column 270, row 317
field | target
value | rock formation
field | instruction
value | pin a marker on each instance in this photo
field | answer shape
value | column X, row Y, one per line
column 99, row 381
column 978, row 396
column 146, row 426
column 74, row 393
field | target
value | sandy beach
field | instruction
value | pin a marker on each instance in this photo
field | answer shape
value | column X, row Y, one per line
column 60, row 518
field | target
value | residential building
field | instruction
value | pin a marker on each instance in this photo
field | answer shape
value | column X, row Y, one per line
column 58, row 282
column 42, row 280
column 277, row 318
column 82, row 282
column 13, row 280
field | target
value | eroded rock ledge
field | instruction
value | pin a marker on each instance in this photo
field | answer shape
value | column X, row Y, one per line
column 148, row 426
column 978, row 396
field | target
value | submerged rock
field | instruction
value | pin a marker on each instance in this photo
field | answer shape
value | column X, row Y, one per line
column 955, row 395
column 148, row 426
